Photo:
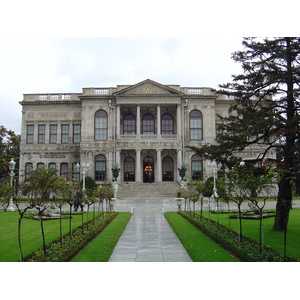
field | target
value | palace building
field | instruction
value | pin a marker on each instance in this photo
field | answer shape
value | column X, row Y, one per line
column 142, row 128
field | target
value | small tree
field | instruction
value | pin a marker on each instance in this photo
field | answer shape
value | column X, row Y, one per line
column 238, row 190
column 40, row 185
column 89, row 199
column 5, row 192
column 62, row 192
column 200, row 189
column 28, row 205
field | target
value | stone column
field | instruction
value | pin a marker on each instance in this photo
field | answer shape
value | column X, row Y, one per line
column 118, row 162
column 110, row 166
column 178, row 117
column 179, row 162
column 47, row 132
column 159, row 166
column 158, row 120
column 138, row 120
column 118, row 121
column 118, row 158
column 138, row 166
column 58, row 132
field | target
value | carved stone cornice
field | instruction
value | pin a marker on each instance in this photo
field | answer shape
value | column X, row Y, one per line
column 48, row 102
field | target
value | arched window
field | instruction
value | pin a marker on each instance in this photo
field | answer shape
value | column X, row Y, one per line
column 100, row 125
column 148, row 124
column 129, row 169
column 52, row 165
column 196, row 125
column 168, row 169
column 100, row 168
column 40, row 165
column 129, row 124
column 197, row 167
column 167, row 124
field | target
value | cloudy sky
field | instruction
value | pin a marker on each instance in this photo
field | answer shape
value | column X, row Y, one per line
column 62, row 65
column 63, row 46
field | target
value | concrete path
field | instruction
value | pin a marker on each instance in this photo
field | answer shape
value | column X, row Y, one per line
column 148, row 236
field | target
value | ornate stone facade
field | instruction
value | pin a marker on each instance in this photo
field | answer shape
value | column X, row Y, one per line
column 142, row 128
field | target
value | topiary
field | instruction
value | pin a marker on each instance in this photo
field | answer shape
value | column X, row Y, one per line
column 89, row 183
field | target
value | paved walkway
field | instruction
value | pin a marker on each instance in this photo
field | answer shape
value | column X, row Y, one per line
column 148, row 236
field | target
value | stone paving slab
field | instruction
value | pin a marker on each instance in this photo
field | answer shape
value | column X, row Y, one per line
column 148, row 237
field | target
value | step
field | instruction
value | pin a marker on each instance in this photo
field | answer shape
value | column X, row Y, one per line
column 147, row 190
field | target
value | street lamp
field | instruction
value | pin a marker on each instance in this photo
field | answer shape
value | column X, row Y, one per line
column 12, row 165
column 215, row 167
column 84, row 169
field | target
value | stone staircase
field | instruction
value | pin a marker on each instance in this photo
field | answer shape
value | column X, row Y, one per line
column 147, row 191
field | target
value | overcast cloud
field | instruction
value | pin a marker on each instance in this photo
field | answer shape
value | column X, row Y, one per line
column 35, row 56
column 62, row 65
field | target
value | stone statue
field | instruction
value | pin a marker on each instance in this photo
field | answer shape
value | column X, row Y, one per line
column 48, row 212
column 253, row 208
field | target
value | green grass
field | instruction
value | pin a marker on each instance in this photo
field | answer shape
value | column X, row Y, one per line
column 199, row 247
column 272, row 238
column 101, row 248
column 31, row 234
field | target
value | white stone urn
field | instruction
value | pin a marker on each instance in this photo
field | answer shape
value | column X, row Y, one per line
column 179, row 202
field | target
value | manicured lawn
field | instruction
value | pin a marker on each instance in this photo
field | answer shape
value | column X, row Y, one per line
column 101, row 248
column 272, row 238
column 31, row 235
column 199, row 247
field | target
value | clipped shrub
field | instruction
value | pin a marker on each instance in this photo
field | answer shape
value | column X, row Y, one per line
column 71, row 246
column 89, row 183
column 247, row 250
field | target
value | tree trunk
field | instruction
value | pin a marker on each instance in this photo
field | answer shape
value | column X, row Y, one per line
column 60, row 227
column 283, row 205
column 19, row 238
column 284, row 201
column 70, row 221
column 43, row 236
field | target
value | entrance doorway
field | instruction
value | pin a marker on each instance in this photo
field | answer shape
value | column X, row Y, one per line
column 148, row 170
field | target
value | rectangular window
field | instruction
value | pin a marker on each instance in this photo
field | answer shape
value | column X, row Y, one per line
column 41, row 134
column 28, row 169
column 100, row 171
column 53, row 134
column 30, row 134
column 76, row 133
column 64, row 170
column 64, row 134
column 76, row 174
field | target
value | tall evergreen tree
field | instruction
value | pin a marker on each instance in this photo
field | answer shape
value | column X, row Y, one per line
column 265, row 111
column 9, row 148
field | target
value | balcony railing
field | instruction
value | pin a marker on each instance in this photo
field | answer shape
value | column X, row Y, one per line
column 149, row 136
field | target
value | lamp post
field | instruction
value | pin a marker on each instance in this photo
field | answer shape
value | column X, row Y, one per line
column 12, row 165
column 84, row 169
column 215, row 167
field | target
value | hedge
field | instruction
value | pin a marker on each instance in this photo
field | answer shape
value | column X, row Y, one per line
column 247, row 250
column 70, row 246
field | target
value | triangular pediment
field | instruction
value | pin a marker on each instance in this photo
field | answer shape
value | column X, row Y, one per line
column 148, row 87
